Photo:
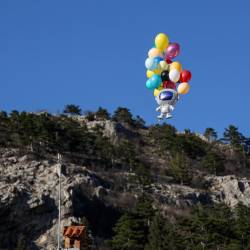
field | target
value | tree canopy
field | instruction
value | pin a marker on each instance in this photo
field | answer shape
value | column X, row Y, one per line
column 72, row 109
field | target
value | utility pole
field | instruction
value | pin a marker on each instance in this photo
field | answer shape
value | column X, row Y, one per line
column 59, row 161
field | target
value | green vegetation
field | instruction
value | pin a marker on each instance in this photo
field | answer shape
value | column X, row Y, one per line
column 168, row 140
column 127, row 152
column 214, row 227
column 131, row 230
column 161, row 234
column 179, row 168
column 123, row 115
column 43, row 132
column 236, row 139
column 210, row 134
column 239, row 143
column 213, row 163
column 183, row 155
column 143, row 175
column 72, row 109
column 102, row 114
column 51, row 134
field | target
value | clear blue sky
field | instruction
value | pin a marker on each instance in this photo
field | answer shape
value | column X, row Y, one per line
column 92, row 53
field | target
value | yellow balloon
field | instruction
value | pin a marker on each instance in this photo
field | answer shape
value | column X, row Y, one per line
column 161, row 41
column 157, row 91
column 176, row 65
column 149, row 73
column 157, row 71
column 154, row 52
column 183, row 88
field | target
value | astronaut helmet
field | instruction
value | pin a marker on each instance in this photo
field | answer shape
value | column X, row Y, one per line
column 167, row 96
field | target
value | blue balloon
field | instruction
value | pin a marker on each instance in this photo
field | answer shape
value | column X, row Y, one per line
column 153, row 82
column 151, row 63
column 158, row 59
column 148, row 84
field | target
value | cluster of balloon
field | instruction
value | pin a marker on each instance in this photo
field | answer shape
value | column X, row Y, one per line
column 166, row 75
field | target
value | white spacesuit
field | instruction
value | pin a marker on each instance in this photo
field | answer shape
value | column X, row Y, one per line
column 166, row 100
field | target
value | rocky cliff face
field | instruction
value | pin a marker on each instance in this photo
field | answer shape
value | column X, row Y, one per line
column 29, row 198
column 229, row 189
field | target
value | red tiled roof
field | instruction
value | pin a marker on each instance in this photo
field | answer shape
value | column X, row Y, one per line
column 73, row 231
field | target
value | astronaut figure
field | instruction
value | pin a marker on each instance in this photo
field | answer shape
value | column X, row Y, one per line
column 166, row 100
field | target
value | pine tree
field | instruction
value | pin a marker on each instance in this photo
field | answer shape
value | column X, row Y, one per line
column 192, row 145
column 144, row 209
column 164, row 137
column 233, row 136
column 243, row 226
column 143, row 175
column 210, row 134
column 139, row 122
column 179, row 168
column 239, row 142
column 207, row 228
column 213, row 163
column 89, row 115
column 123, row 115
column 102, row 114
column 3, row 114
column 160, row 234
column 131, row 231
column 126, row 152
column 128, row 234
column 104, row 149
column 72, row 109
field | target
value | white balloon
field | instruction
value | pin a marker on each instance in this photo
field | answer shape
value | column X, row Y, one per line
column 174, row 75
column 149, row 63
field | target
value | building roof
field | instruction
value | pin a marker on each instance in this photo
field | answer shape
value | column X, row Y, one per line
column 73, row 231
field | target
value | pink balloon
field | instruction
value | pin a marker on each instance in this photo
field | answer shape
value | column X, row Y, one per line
column 173, row 50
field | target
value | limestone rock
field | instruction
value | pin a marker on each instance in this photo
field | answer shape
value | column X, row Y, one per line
column 229, row 189
column 29, row 196
column 100, row 192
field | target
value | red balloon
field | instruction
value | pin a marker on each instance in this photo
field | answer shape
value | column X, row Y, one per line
column 185, row 76
column 168, row 60
column 168, row 85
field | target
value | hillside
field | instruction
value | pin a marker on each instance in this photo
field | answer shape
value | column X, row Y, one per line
column 117, row 171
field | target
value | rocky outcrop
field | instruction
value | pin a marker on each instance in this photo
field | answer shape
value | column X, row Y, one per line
column 229, row 189
column 111, row 129
column 179, row 196
column 108, row 127
column 29, row 198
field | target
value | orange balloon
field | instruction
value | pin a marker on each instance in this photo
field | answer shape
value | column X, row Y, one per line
column 183, row 88
column 154, row 52
column 176, row 65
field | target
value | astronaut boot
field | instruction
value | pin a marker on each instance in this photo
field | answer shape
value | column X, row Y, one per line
column 160, row 117
column 168, row 116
